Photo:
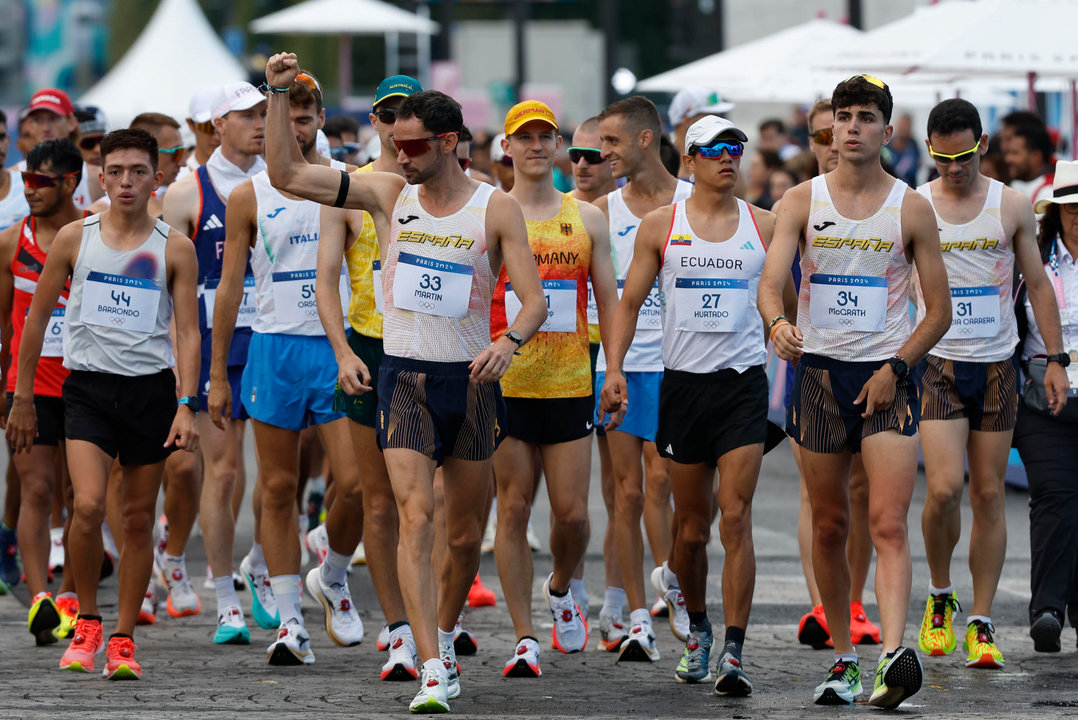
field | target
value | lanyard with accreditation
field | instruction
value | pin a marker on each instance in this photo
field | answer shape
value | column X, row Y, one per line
column 1064, row 321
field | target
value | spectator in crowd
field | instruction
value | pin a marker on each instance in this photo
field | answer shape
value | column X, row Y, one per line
column 904, row 151
column 342, row 131
column 773, row 136
column 763, row 163
column 689, row 105
column 1028, row 153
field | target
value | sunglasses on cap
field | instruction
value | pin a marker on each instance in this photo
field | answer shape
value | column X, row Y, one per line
column 387, row 116
column 419, row 146
column 176, row 152
column 824, row 136
column 714, row 151
column 963, row 158
column 309, row 80
column 90, row 142
column 870, row 79
column 592, row 156
column 36, row 181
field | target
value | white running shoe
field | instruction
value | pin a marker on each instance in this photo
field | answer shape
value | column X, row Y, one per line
column 147, row 614
column 231, row 628
column 263, row 603
column 403, row 658
column 612, row 632
column 490, row 532
column 570, row 632
column 161, row 528
column 382, row 642
column 359, row 557
column 342, row 621
column 433, row 695
column 318, row 544
column 675, row 604
column 533, row 539
column 292, row 646
column 56, row 549
column 640, row 645
column 525, row 660
column 182, row 598
column 452, row 668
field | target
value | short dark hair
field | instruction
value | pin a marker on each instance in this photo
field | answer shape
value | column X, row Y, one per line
column 954, row 115
column 62, row 156
column 1021, row 117
column 128, row 138
column 465, row 134
column 670, row 155
column 438, row 112
column 859, row 90
column 3, row 118
column 770, row 158
column 1037, row 138
column 150, row 121
column 640, row 114
column 773, row 124
column 337, row 125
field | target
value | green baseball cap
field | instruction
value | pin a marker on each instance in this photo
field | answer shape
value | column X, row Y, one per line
column 396, row 86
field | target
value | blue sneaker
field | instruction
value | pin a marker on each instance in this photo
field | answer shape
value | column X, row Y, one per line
column 231, row 629
column 263, row 604
column 9, row 564
column 694, row 666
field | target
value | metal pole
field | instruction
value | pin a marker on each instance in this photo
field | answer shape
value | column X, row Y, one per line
column 853, row 9
column 344, row 67
column 423, row 48
column 392, row 54
column 608, row 21
column 520, row 16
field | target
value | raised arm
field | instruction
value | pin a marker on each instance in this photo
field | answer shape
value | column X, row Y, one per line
column 776, row 283
column 352, row 373
column 182, row 264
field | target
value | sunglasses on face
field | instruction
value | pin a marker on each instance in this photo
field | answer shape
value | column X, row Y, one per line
column 592, row 156
column 177, row 152
column 963, row 158
column 36, row 181
column 206, row 128
column 89, row 143
column 824, row 136
column 715, row 149
column 419, row 146
column 387, row 116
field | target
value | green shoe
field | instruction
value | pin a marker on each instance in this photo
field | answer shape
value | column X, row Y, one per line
column 898, row 676
column 694, row 666
column 842, row 686
column 937, row 630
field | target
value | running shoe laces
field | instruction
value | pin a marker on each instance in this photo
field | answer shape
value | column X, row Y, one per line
column 940, row 603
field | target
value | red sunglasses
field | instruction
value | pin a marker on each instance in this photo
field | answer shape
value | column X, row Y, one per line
column 36, row 181
column 419, row 146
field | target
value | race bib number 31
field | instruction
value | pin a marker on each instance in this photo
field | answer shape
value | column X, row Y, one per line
column 711, row 304
column 848, row 302
column 974, row 313
column 434, row 287
column 560, row 298
column 120, row 302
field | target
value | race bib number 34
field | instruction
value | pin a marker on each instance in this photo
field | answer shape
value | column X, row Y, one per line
column 974, row 313
column 120, row 302
column 560, row 298
column 848, row 302
column 711, row 304
column 434, row 287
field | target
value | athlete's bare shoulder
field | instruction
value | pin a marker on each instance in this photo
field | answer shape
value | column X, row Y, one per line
column 764, row 219
column 9, row 241
column 603, row 203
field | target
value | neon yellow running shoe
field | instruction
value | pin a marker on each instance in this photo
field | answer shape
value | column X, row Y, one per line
column 937, row 633
column 898, row 676
column 981, row 646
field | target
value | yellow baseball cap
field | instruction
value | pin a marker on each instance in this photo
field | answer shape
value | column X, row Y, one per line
column 527, row 111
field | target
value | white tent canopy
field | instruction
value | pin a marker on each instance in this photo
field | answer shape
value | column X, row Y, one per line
column 177, row 53
column 334, row 17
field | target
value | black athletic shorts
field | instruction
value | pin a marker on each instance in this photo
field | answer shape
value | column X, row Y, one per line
column 50, row 418
column 125, row 416
column 703, row 416
column 546, row 421
column 362, row 408
column 986, row 393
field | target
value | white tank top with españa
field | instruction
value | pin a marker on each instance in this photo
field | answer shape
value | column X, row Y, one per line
column 709, row 313
column 437, row 280
column 854, row 299
column 283, row 261
column 979, row 258
column 645, row 352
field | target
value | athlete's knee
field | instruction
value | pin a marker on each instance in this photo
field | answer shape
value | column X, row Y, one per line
column 735, row 523
column 986, row 497
column 693, row 532
column 138, row 520
column 349, row 491
column 90, row 509
column 628, row 500
column 571, row 520
column 36, row 492
column 889, row 531
column 278, row 489
column 657, row 487
column 465, row 540
column 514, row 510
column 943, row 495
column 830, row 529
column 380, row 510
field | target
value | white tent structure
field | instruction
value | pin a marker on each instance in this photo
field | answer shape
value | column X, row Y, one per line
column 177, row 53
column 345, row 18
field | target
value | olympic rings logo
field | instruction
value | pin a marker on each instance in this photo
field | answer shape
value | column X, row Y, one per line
column 117, row 321
column 426, row 305
column 847, row 322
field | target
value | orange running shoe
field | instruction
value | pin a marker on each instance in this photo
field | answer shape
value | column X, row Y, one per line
column 862, row 630
column 480, row 595
column 69, row 615
column 813, row 629
column 121, row 664
column 85, row 644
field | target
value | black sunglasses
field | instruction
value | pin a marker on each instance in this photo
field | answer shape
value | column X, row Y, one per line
column 592, row 156
column 387, row 116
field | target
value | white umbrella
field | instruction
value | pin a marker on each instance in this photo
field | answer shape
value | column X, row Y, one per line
column 346, row 18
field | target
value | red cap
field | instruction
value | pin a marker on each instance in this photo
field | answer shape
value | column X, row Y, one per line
column 53, row 100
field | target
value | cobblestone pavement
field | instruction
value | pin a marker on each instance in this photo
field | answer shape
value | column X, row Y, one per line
column 186, row 676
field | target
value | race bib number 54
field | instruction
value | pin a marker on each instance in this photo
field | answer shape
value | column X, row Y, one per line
column 848, row 302
column 435, row 287
column 120, row 302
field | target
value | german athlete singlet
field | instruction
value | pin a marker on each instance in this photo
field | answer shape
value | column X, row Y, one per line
column 709, row 313
column 556, row 362
column 437, row 280
column 979, row 259
column 853, row 304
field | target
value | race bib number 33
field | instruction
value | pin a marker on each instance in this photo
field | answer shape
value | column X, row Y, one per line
column 848, row 302
column 434, row 287
column 120, row 302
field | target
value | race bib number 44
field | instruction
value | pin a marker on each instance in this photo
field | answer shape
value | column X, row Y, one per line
column 974, row 313
column 120, row 302
column 434, row 287
column 560, row 298
column 710, row 304
column 848, row 302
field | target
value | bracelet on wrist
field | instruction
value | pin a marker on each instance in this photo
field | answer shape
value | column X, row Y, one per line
column 771, row 325
column 775, row 327
column 268, row 89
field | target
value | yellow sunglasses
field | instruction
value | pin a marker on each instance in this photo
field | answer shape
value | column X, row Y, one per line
column 871, row 80
column 963, row 158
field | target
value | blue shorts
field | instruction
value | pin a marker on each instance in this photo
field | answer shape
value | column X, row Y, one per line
column 822, row 417
column 235, row 378
column 642, row 417
column 289, row 381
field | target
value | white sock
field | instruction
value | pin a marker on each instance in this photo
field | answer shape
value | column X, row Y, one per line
column 257, row 558
column 983, row 618
column 304, row 524
column 578, row 590
column 335, row 568
column 286, row 591
column 640, row 616
column 226, row 594
column 613, row 602
column 445, row 637
column 669, row 578
column 847, row 657
column 933, row 590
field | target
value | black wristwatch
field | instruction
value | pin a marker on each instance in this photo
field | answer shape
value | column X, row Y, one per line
column 899, row 366
column 1062, row 358
column 192, row 403
column 515, row 337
